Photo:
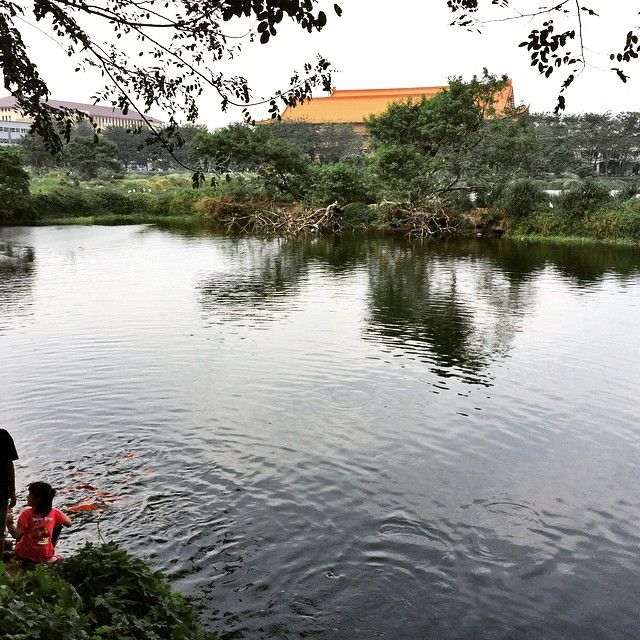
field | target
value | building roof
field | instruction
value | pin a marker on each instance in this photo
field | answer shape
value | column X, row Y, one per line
column 96, row 110
column 354, row 105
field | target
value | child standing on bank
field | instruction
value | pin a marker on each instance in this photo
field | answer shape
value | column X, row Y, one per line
column 8, row 454
column 36, row 524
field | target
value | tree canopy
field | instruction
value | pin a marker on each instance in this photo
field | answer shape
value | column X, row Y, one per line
column 180, row 46
column 281, row 164
column 454, row 141
column 14, row 183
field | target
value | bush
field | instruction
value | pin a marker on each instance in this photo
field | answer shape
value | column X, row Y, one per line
column 612, row 224
column 109, row 201
column 217, row 209
column 520, row 199
column 342, row 182
column 358, row 214
column 148, row 203
column 628, row 190
column 585, row 198
column 544, row 223
column 241, row 186
column 60, row 203
column 459, row 201
column 99, row 593
column 184, row 202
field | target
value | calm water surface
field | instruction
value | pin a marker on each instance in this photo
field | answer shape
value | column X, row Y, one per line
column 352, row 438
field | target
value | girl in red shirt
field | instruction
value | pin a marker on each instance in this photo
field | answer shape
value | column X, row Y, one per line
column 35, row 529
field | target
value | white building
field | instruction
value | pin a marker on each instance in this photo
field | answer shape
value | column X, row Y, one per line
column 14, row 124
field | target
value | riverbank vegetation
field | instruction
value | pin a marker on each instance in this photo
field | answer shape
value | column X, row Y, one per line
column 449, row 165
column 99, row 593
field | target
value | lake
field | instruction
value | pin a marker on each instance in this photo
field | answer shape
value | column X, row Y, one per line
column 343, row 438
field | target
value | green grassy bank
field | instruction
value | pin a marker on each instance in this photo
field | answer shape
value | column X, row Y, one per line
column 584, row 212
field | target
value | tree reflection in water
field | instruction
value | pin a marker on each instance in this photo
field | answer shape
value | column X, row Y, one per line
column 265, row 275
column 16, row 294
column 455, row 305
column 453, row 309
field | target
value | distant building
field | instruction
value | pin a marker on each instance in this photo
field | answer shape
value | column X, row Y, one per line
column 352, row 106
column 11, row 132
column 14, row 125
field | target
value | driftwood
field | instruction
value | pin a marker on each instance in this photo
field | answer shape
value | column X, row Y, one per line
column 279, row 220
column 419, row 222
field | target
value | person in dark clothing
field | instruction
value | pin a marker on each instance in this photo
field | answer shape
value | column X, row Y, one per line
column 8, row 454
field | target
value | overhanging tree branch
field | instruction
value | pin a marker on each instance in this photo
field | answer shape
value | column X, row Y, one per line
column 180, row 44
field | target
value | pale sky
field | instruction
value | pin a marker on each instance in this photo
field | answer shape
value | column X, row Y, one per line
column 405, row 43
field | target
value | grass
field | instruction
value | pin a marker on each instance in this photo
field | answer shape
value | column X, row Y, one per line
column 577, row 240
column 115, row 219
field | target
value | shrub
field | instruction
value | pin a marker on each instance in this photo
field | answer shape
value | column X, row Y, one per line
column 241, row 186
column 584, row 198
column 611, row 224
column 458, row 201
column 109, row 201
column 183, row 202
column 60, row 203
column 342, row 182
column 520, row 199
column 358, row 214
column 629, row 190
column 217, row 209
column 101, row 592
column 544, row 223
column 39, row 605
column 148, row 203
column 14, row 185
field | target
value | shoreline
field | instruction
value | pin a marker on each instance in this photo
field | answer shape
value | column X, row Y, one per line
column 195, row 220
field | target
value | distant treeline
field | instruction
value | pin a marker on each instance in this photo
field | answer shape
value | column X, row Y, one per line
column 606, row 143
column 603, row 144
column 427, row 167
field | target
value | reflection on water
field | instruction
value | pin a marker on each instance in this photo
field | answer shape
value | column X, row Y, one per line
column 260, row 276
column 458, row 313
column 347, row 437
column 16, row 299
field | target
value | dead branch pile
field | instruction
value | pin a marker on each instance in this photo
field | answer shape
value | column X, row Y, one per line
column 429, row 221
column 270, row 218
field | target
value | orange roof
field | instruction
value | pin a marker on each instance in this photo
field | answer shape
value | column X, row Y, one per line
column 354, row 105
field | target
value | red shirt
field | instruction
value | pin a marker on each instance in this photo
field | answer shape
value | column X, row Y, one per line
column 35, row 543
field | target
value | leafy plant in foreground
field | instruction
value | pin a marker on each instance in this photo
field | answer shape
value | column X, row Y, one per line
column 99, row 593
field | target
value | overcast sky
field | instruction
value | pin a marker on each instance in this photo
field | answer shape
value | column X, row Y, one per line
column 404, row 43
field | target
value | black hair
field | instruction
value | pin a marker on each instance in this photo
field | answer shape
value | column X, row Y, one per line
column 43, row 493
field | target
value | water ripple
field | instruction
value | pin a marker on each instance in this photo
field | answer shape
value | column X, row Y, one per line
column 340, row 438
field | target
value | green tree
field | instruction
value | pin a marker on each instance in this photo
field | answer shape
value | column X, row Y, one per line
column 131, row 150
column 178, row 156
column 36, row 155
column 454, row 141
column 281, row 165
column 87, row 158
column 342, row 182
column 14, row 185
column 558, row 152
column 329, row 142
column 588, row 142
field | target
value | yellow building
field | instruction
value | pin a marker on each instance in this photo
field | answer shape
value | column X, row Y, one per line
column 352, row 106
